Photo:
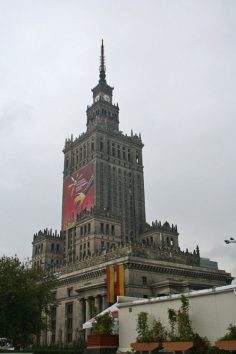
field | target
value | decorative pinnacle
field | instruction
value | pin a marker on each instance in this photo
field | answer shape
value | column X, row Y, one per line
column 102, row 68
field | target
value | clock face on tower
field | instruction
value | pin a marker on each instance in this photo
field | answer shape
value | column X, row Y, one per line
column 107, row 98
column 97, row 98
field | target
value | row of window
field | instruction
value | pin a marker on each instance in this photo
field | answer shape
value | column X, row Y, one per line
column 55, row 247
column 121, row 152
column 38, row 249
column 112, row 148
column 107, row 229
column 149, row 240
column 104, row 112
column 85, row 229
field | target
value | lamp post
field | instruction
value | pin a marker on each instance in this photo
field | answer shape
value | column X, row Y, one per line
column 231, row 240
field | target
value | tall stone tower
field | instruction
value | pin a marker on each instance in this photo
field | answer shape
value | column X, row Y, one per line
column 105, row 248
column 103, row 178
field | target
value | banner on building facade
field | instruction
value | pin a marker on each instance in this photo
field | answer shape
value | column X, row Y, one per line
column 110, row 285
column 115, row 282
column 78, row 194
column 119, row 271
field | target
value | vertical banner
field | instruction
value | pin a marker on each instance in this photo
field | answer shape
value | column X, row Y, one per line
column 119, row 289
column 110, row 285
column 78, row 194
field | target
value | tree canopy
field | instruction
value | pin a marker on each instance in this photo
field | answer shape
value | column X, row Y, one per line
column 26, row 294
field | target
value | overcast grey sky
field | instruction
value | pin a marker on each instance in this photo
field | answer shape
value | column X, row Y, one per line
column 173, row 66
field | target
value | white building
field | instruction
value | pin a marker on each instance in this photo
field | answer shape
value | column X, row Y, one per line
column 211, row 312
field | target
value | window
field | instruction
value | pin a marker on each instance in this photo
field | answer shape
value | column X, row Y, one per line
column 107, row 229
column 67, row 163
column 69, row 292
column 118, row 151
column 69, row 337
column 52, row 247
column 53, row 322
column 102, row 228
column 89, row 228
column 137, row 157
column 144, row 280
column 77, row 156
column 123, row 152
column 113, row 149
column 101, row 145
column 84, row 151
column 129, row 155
column 69, row 310
column 69, row 323
column 112, row 229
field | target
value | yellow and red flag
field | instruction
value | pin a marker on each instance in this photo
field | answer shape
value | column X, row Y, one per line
column 115, row 282
column 110, row 285
column 119, row 290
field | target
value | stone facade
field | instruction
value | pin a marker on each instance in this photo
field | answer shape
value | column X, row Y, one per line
column 113, row 230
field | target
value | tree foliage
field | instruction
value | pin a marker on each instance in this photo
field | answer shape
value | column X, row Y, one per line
column 143, row 328
column 104, row 324
column 181, row 328
column 25, row 295
column 150, row 331
column 231, row 333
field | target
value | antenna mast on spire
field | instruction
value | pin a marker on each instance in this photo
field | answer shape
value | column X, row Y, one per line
column 102, row 67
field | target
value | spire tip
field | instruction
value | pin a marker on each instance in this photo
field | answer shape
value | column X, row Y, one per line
column 102, row 68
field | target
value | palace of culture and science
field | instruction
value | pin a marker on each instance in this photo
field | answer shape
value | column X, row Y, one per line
column 106, row 248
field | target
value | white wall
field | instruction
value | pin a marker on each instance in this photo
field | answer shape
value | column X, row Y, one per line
column 211, row 312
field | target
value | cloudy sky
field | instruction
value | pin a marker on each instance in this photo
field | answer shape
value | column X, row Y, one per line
column 173, row 66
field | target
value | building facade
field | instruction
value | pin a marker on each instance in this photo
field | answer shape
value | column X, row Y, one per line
column 105, row 247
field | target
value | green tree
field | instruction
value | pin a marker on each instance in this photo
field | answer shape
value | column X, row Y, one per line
column 158, row 331
column 25, row 296
column 104, row 324
column 143, row 330
column 181, row 320
column 150, row 331
column 231, row 333
column 184, row 324
column 172, row 320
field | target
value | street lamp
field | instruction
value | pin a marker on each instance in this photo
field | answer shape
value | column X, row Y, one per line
column 231, row 240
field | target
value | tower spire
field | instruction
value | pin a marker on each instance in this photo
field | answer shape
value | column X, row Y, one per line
column 102, row 68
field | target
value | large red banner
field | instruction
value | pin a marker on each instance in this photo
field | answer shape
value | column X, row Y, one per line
column 78, row 194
